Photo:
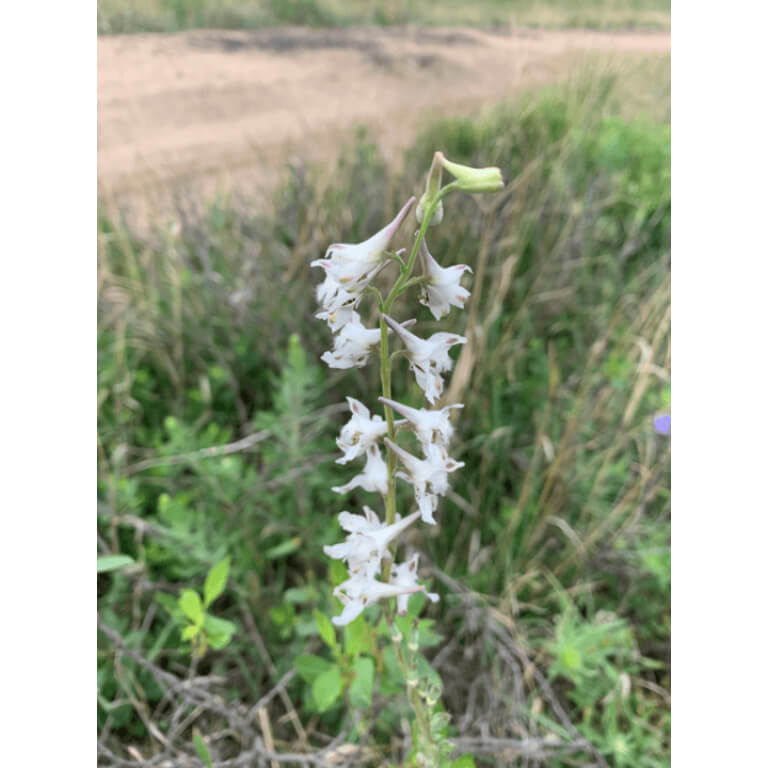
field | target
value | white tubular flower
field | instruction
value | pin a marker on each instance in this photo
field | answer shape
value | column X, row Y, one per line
column 358, row 593
column 352, row 346
column 360, row 432
column 350, row 267
column 428, row 476
column 429, row 426
column 441, row 288
column 366, row 545
column 341, row 311
column 372, row 478
column 404, row 575
column 428, row 357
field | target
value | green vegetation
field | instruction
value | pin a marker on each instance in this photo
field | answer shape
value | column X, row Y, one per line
column 216, row 445
column 119, row 16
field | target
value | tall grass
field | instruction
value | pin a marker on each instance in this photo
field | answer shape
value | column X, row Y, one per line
column 122, row 16
column 216, row 430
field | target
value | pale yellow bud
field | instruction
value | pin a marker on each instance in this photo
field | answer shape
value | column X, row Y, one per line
column 475, row 179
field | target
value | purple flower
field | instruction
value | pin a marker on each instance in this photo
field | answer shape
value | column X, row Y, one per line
column 663, row 423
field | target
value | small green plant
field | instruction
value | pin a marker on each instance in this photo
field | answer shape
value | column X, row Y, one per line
column 201, row 628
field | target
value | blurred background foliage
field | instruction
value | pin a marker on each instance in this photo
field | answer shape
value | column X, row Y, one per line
column 125, row 16
column 217, row 421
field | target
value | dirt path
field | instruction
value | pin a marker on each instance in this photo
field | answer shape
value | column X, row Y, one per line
column 202, row 110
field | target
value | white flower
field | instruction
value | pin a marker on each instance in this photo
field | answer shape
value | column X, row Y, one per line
column 357, row 593
column 428, row 476
column 442, row 288
column 352, row 346
column 372, row 478
column 404, row 575
column 428, row 357
column 339, row 304
column 429, row 426
column 350, row 267
column 366, row 545
column 360, row 432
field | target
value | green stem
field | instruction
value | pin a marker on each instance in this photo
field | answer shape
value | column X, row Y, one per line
column 399, row 285
column 425, row 730
column 402, row 283
column 386, row 369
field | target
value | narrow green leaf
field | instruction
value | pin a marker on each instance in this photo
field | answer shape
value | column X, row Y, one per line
column 283, row 549
column 361, row 690
column 191, row 605
column 215, row 581
column 327, row 632
column 310, row 667
column 201, row 748
column 112, row 562
column 327, row 688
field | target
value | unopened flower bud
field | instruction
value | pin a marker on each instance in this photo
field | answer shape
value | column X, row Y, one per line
column 475, row 179
column 412, row 681
column 434, row 182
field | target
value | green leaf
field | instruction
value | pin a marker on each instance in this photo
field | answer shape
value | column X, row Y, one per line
column 310, row 667
column 191, row 605
column 338, row 572
column 201, row 748
column 299, row 595
column 427, row 637
column 215, row 626
column 218, row 641
column 356, row 636
column 169, row 603
column 215, row 581
column 465, row 761
column 281, row 550
column 327, row 688
column 327, row 632
column 112, row 562
column 361, row 690
column 190, row 631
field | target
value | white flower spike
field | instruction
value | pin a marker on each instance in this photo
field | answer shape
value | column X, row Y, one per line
column 372, row 478
column 441, row 287
column 404, row 575
column 360, row 432
column 428, row 357
column 352, row 347
column 429, row 426
column 428, row 476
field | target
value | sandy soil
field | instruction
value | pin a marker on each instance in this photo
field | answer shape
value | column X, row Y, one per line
column 222, row 109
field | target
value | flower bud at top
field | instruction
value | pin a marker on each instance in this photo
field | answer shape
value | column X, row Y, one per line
column 475, row 179
column 434, row 182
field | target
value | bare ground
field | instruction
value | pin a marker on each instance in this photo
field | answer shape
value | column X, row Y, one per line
column 207, row 110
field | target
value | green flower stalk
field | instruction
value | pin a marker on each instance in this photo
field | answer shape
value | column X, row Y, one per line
column 368, row 550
